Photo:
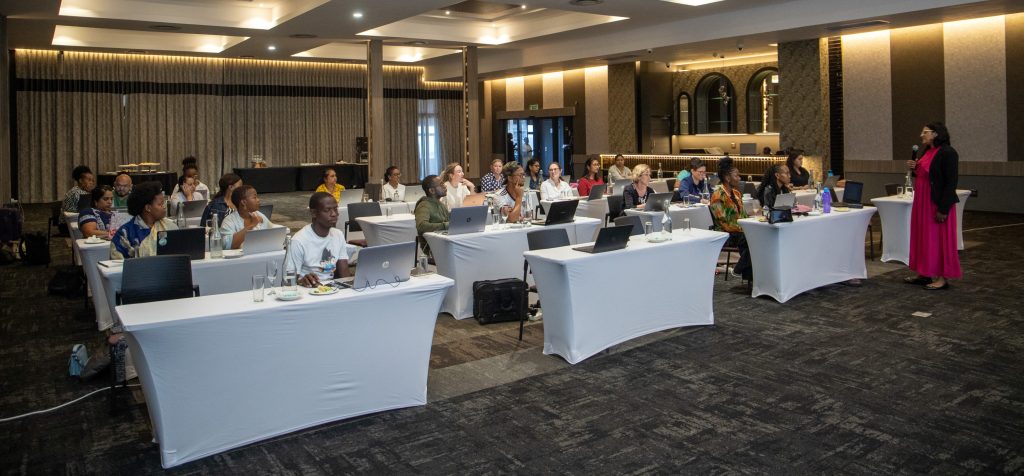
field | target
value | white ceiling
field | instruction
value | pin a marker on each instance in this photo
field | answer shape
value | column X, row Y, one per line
column 546, row 35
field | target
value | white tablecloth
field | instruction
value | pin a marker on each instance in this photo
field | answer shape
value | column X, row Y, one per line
column 384, row 230
column 699, row 215
column 91, row 255
column 894, row 212
column 214, row 276
column 810, row 252
column 596, row 209
column 589, row 305
column 222, row 371
column 395, row 207
column 493, row 254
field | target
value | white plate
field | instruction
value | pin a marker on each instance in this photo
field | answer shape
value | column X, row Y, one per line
column 315, row 292
column 92, row 240
column 658, row 238
column 228, row 254
column 281, row 296
column 814, row 213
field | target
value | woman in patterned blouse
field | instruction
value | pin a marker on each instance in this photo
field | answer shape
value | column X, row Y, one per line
column 727, row 208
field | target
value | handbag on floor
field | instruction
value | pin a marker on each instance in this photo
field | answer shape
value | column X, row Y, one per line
column 79, row 358
column 500, row 300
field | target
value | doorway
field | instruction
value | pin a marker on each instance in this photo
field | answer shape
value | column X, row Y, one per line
column 548, row 139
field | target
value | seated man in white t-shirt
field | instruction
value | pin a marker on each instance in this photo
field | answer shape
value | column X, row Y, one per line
column 318, row 249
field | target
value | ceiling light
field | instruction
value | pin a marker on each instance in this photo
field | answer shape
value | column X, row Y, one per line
column 447, row 12
column 272, row 48
column 164, row 27
column 773, row 44
column 357, row 15
column 585, row 3
column 522, row 6
column 416, row 43
column 693, row 3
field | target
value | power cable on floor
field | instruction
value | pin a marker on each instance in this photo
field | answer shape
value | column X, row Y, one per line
column 37, row 412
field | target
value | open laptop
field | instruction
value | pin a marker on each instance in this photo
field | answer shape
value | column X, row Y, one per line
column 264, row 241
column 619, row 185
column 785, row 201
column 187, row 241
column 851, row 195
column 354, row 195
column 465, row 220
column 194, row 208
column 381, row 265
column 831, row 182
column 84, row 202
column 658, row 202
column 608, row 239
column 597, row 191
column 563, row 211
column 413, row 193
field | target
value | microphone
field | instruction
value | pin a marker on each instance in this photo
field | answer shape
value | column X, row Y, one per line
column 913, row 152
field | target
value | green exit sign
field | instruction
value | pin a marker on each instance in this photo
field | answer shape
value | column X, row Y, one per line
column 534, row 107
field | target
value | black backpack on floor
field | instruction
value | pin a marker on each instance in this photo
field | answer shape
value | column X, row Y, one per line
column 68, row 282
column 500, row 300
column 35, row 249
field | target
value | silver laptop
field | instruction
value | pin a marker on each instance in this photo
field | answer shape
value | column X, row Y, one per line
column 467, row 220
column 785, row 201
column 194, row 208
column 658, row 202
column 620, row 185
column 354, row 195
column 264, row 241
column 413, row 193
column 382, row 265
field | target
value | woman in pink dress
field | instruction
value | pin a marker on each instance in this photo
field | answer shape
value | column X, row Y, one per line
column 933, row 236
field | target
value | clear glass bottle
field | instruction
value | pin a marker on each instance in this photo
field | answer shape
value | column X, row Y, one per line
column 216, row 241
column 659, row 170
column 666, row 224
column 817, row 200
column 180, row 218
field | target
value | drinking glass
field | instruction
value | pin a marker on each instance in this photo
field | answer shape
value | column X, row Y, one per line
column 686, row 224
column 272, row 269
column 258, row 283
column 686, row 200
column 366, row 197
column 910, row 192
column 647, row 228
column 527, row 214
column 899, row 191
column 422, row 266
column 387, row 212
column 504, row 216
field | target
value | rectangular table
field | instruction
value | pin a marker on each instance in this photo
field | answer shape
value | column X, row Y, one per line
column 385, row 230
column 492, row 254
column 221, row 372
column 590, row 306
column 699, row 215
column 894, row 213
column 810, row 252
column 213, row 276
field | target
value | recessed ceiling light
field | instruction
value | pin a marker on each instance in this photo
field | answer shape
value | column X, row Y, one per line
column 272, row 48
column 357, row 15
column 416, row 43
column 302, row 36
column 164, row 27
column 447, row 12
column 523, row 6
column 586, row 3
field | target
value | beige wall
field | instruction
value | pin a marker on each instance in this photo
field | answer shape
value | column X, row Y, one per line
column 867, row 97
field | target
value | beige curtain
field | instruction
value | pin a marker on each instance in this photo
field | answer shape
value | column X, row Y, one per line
column 102, row 110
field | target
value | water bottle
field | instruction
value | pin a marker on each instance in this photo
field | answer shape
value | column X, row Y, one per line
column 290, row 274
column 216, row 243
column 826, row 201
column 659, row 170
column 817, row 200
column 180, row 219
column 666, row 224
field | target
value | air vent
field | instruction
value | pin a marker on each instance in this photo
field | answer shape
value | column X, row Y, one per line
column 619, row 59
column 164, row 27
column 853, row 26
column 302, row 36
column 585, row 3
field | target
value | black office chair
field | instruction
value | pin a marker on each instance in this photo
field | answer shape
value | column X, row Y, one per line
column 540, row 240
column 358, row 210
column 149, row 279
column 267, row 210
column 726, row 248
column 635, row 221
column 615, row 206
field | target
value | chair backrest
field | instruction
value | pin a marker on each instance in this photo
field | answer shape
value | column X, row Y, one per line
column 749, row 189
column 635, row 221
column 359, row 210
column 474, row 200
column 84, row 202
column 615, row 205
column 267, row 210
column 156, row 278
column 373, row 190
column 547, row 238
column 890, row 189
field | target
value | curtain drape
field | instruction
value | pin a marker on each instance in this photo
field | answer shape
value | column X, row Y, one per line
column 104, row 109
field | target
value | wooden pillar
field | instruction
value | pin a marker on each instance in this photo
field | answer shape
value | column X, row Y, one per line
column 471, row 109
column 375, row 109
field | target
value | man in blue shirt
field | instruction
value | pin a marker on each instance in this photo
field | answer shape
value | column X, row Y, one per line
column 695, row 184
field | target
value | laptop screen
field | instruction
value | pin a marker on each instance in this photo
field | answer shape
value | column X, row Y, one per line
column 852, row 192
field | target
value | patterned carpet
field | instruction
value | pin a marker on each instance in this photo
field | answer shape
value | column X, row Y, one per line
column 838, row 380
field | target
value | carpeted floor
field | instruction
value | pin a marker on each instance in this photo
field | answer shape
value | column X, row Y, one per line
column 838, row 380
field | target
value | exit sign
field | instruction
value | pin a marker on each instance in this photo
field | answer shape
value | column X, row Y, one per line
column 534, row 107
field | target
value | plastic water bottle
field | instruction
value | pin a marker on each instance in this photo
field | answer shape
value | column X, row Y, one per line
column 817, row 200
column 216, row 243
column 180, row 219
column 826, row 201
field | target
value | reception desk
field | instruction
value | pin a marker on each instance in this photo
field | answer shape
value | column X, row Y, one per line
column 301, row 177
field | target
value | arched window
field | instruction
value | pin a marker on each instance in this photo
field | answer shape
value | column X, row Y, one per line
column 683, row 115
column 716, row 106
column 763, row 101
